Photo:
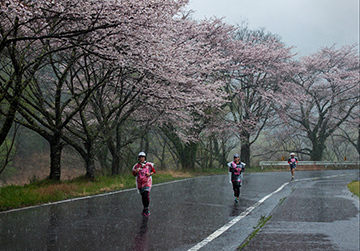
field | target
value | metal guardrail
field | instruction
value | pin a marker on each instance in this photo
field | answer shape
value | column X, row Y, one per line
column 310, row 163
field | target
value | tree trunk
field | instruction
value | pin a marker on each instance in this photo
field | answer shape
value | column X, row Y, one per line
column 188, row 155
column 115, row 165
column 144, row 143
column 90, row 168
column 224, row 154
column 89, row 161
column 6, row 126
column 55, row 157
column 13, row 107
column 219, row 151
column 114, row 148
column 186, row 152
column 245, row 148
column 162, row 160
column 317, row 151
column 102, row 156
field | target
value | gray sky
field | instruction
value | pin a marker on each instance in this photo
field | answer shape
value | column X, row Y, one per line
column 306, row 24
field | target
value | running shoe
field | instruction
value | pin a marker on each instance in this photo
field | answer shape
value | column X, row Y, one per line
column 237, row 199
column 146, row 212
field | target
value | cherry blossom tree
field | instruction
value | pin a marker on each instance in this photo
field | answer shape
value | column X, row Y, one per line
column 172, row 57
column 261, row 66
column 186, row 55
column 169, row 62
column 329, row 81
column 104, row 121
column 47, row 104
column 30, row 31
column 26, row 30
column 209, row 39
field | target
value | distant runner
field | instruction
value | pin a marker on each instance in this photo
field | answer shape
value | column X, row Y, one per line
column 292, row 162
column 143, row 171
column 236, row 168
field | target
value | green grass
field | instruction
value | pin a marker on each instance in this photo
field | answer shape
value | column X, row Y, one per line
column 261, row 223
column 282, row 200
column 354, row 187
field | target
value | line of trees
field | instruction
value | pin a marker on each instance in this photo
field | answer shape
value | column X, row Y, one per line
column 105, row 76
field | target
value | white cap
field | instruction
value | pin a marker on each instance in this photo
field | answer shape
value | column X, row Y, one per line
column 141, row 154
column 292, row 154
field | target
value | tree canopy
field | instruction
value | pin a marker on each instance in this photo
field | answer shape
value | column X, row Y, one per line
column 100, row 76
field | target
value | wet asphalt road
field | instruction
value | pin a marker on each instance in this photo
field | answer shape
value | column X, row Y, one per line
column 314, row 212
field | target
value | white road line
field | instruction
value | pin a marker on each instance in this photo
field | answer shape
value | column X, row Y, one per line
column 119, row 191
column 221, row 230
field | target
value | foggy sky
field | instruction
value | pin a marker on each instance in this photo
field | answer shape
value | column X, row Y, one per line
column 306, row 24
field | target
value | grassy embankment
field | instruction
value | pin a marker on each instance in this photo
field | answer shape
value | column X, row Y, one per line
column 46, row 191
column 354, row 187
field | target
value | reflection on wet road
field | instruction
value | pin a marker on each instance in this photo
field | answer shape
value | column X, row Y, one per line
column 183, row 214
column 141, row 238
column 320, row 214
